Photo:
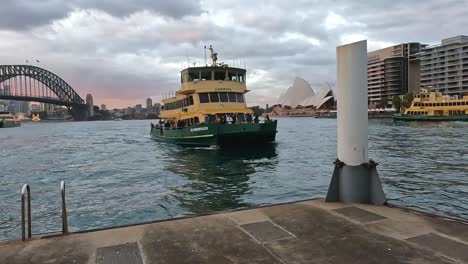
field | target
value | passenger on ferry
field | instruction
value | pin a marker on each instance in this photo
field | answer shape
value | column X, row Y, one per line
column 229, row 120
column 234, row 118
column 248, row 118
column 207, row 119
column 256, row 120
column 223, row 120
column 267, row 119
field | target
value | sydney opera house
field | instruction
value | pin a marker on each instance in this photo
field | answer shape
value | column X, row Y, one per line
column 301, row 100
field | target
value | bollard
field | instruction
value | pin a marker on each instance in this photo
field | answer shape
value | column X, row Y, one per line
column 355, row 178
column 64, row 209
column 25, row 191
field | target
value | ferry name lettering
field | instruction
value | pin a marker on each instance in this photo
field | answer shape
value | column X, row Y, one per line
column 198, row 129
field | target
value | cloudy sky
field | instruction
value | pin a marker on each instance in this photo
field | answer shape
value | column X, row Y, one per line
column 123, row 51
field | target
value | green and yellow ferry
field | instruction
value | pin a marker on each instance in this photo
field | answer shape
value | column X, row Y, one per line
column 434, row 106
column 210, row 109
column 8, row 120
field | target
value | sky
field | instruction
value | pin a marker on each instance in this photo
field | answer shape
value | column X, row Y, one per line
column 123, row 51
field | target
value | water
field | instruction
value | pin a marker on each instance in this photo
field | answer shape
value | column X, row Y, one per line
column 116, row 174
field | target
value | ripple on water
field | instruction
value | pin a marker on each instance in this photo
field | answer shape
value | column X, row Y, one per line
column 117, row 175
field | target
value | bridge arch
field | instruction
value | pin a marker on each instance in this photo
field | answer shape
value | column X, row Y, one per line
column 65, row 95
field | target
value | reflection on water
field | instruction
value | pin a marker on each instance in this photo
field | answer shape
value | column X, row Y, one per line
column 116, row 174
column 218, row 177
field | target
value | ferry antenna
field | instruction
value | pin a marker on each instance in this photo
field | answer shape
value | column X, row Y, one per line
column 206, row 64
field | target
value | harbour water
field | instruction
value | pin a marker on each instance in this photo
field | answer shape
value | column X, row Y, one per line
column 116, row 174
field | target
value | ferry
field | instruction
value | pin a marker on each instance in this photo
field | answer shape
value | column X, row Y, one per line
column 35, row 118
column 8, row 120
column 210, row 109
column 434, row 106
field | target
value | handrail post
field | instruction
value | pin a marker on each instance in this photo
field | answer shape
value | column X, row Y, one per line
column 64, row 209
column 25, row 191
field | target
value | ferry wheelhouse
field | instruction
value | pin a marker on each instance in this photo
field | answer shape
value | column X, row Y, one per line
column 434, row 106
column 210, row 109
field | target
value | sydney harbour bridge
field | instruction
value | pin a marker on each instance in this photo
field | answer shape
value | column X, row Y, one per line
column 35, row 84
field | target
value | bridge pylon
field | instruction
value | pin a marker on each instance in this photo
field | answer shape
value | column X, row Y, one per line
column 80, row 112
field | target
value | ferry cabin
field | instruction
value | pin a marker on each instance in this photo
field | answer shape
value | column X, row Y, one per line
column 437, row 104
column 208, row 91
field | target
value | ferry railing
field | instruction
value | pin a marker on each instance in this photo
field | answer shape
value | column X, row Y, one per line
column 25, row 191
column 64, row 209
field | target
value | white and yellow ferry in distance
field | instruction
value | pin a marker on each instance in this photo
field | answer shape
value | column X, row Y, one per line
column 210, row 109
column 435, row 106
column 8, row 120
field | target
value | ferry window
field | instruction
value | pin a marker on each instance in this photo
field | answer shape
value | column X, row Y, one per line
column 240, row 97
column 458, row 103
column 232, row 76
column 190, row 100
column 204, row 97
column 219, row 75
column 241, row 77
column 214, row 98
column 193, row 76
column 223, row 97
column 232, row 97
column 205, row 75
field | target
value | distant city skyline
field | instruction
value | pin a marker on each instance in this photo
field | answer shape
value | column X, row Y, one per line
column 123, row 54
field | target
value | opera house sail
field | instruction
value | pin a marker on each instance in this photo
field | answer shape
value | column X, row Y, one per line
column 301, row 100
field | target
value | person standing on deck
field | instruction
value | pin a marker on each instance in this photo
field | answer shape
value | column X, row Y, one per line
column 256, row 119
column 229, row 120
column 207, row 119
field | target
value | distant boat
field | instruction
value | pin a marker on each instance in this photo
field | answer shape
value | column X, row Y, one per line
column 434, row 106
column 35, row 118
column 8, row 120
column 118, row 119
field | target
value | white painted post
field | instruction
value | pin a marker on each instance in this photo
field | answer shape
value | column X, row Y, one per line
column 351, row 67
column 355, row 179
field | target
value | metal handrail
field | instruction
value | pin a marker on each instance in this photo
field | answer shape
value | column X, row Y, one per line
column 25, row 190
column 64, row 209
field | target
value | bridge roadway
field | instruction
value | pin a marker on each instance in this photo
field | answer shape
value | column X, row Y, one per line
column 310, row 231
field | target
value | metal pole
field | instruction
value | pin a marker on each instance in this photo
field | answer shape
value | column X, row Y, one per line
column 355, row 178
column 64, row 209
column 25, row 190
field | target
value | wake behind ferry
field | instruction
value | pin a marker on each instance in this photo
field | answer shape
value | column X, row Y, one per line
column 210, row 109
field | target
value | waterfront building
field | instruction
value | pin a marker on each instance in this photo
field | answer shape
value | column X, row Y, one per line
column 89, row 102
column 157, row 108
column 393, row 71
column 138, row 108
column 149, row 105
column 444, row 67
column 301, row 100
column 35, row 108
column 301, row 95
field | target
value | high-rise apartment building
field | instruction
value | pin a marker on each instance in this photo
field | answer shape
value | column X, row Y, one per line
column 393, row 71
column 444, row 67
column 149, row 105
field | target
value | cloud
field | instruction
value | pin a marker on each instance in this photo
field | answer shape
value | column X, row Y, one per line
column 124, row 51
column 22, row 14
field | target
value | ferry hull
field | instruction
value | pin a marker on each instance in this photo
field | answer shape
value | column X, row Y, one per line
column 430, row 118
column 218, row 134
column 9, row 124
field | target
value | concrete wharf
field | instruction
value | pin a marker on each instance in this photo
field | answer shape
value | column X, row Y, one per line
column 311, row 231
